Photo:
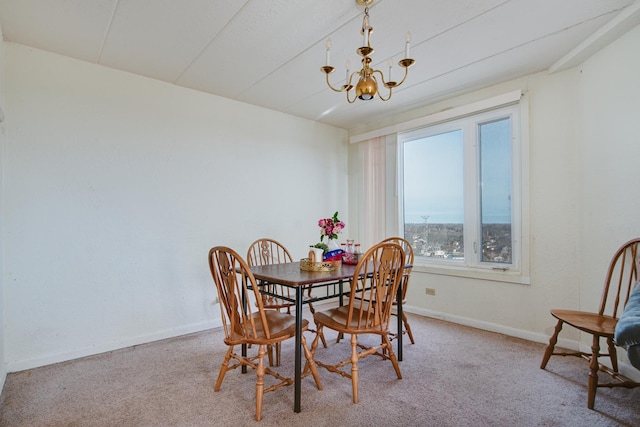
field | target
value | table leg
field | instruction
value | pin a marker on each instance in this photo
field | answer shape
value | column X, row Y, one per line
column 298, row 353
column 399, row 301
column 244, row 346
column 244, row 355
column 341, row 290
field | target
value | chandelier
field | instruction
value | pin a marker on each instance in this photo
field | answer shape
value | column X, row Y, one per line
column 367, row 86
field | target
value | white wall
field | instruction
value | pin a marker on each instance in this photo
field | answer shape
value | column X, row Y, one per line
column 609, row 153
column 584, row 143
column 116, row 188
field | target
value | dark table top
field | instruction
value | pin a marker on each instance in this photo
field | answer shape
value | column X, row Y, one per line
column 289, row 274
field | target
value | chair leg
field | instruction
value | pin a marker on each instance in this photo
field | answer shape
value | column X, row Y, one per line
column 320, row 334
column 392, row 355
column 613, row 355
column 223, row 368
column 311, row 309
column 354, row 366
column 552, row 343
column 270, row 354
column 314, row 343
column 324, row 342
column 311, row 364
column 260, row 382
column 593, row 372
column 407, row 327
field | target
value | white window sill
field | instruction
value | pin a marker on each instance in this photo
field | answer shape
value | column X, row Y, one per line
column 473, row 273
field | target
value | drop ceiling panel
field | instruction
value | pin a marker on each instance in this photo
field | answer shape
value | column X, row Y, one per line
column 74, row 28
column 259, row 41
column 160, row 38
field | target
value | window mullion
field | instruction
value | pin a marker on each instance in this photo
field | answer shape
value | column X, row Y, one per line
column 471, row 195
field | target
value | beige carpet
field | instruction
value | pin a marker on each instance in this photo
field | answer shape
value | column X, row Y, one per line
column 453, row 376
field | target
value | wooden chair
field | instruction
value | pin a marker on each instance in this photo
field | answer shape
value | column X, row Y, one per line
column 381, row 269
column 268, row 252
column 247, row 324
column 621, row 275
column 408, row 260
column 274, row 297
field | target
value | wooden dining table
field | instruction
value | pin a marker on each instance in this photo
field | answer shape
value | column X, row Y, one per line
column 329, row 284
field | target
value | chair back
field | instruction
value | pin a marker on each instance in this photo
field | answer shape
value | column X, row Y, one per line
column 266, row 252
column 408, row 260
column 374, row 286
column 236, row 285
column 621, row 279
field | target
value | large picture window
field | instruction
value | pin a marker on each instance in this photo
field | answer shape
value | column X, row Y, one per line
column 460, row 191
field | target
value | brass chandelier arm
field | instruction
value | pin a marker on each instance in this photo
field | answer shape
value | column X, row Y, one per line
column 385, row 84
column 346, row 87
column 328, row 70
column 351, row 101
column 396, row 84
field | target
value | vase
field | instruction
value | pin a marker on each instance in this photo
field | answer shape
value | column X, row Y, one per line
column 333, row 245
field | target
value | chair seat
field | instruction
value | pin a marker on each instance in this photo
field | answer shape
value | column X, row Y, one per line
column 281, row 327
column 593, row 323
column 336, row 319
column 276, row 303
column 270, row 302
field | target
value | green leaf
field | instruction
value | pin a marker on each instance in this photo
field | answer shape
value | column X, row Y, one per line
column 322, row 246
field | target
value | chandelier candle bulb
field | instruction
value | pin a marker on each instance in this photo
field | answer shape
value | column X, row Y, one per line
column 348, row 65
column 407, row 48
column 390, row 62
column 328, row 57
column 365, row 28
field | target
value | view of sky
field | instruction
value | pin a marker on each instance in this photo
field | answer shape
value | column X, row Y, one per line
column 434, row 176
column 433, row 184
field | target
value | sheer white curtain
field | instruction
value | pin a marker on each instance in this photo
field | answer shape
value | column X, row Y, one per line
column 374, row 185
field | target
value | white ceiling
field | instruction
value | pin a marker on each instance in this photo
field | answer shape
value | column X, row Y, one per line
column 269, row 52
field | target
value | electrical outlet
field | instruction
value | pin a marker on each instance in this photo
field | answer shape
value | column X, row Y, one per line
column 430, row 291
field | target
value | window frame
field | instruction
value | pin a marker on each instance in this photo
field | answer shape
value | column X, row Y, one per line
column 518, row 270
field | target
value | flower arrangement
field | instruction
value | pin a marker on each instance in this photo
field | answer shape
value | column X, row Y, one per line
column 330, row 227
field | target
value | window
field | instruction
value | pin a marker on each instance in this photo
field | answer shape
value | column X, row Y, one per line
column 460, row 191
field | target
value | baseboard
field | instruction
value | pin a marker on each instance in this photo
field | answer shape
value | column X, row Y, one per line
column 629, row 371
column 50, row 359
column 492, row 327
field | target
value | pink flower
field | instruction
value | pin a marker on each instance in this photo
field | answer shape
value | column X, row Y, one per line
column 330, row 227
